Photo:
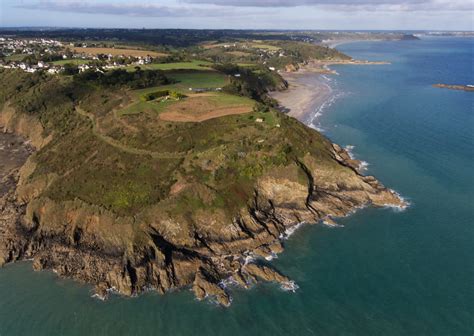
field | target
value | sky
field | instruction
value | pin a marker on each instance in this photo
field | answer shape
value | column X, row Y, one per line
column 242, row 14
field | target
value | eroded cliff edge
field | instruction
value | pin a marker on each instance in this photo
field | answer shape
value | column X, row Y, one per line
column 201, row 230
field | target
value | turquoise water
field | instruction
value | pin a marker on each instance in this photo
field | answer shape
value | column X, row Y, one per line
column 383, row 273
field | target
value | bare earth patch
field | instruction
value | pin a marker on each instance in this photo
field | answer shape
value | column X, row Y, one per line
column 198, row 109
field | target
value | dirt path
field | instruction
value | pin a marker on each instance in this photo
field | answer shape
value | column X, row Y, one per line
column 114, row 143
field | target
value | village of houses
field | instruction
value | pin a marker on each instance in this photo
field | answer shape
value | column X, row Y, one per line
column 51, row 56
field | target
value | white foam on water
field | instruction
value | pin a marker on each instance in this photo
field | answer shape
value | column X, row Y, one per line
column 99, row 297
column 313, row 121
column 289, row 286
column 271, row 256
column 364, row 165
column 289, row 231
column 331, row 225
column 399, row 208
column 249, row 258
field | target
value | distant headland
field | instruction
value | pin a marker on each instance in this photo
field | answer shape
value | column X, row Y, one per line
column 455, row 87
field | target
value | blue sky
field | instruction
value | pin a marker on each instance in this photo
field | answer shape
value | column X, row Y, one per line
column 255, row 14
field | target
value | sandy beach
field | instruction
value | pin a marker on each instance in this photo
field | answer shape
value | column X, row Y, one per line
column 308, row 90
column 306, row 93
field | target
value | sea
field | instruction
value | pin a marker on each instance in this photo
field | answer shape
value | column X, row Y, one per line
column 382, row 272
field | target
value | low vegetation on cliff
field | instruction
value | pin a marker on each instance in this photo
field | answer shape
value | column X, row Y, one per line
column 166, row 179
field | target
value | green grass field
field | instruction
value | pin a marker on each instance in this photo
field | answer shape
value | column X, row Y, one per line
column 15, row 57
column 264, row 46
column 184, row 81
column 191, row 79
column 74, row 61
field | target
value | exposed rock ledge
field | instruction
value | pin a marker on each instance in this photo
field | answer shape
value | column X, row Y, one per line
column 77, row 251
column 134, row 254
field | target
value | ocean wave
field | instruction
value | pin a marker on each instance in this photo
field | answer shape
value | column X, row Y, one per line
column 334, row 95
column 289, row 286
column 99, row 297
column 249, row 257
column 363, row 165
column 331, row 223
column 398, row 208
column 289, row 231
column 271, row 256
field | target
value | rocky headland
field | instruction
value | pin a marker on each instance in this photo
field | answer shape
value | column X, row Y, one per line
column 455, row 87
column 202, row 232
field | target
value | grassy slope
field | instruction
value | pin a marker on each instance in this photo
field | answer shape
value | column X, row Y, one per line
column 183, row 81
column 226, row 154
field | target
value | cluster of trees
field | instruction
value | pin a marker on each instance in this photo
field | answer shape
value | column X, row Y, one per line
column 35, row 58
column 139, row 79
column 298, row 52
column 252, row 83
column 165, row 93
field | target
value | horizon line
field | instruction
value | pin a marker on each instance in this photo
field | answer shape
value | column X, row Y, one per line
column 243, row 29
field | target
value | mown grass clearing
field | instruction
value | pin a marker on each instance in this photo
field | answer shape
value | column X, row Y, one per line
column 184, row 81
column 190, row 79
column 145, row 106
column 201, row 107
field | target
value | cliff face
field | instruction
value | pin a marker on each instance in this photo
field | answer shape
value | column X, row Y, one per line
column 90, row 244
column 204, row 230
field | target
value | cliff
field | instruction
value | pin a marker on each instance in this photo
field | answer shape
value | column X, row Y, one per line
column 201, row 208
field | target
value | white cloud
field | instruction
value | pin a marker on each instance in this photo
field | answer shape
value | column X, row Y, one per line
column 130, row 9
column 365, row 5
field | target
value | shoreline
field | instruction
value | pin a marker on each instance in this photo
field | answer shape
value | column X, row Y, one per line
column 306, row 94
column 309, row 90
column 203, row 265
column 336, row 43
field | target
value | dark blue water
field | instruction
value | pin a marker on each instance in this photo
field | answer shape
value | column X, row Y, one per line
column 383, row 273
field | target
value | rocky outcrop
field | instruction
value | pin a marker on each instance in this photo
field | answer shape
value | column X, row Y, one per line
column 67, row 237
column 23, row 125
column 205, row 250
column 469, row 88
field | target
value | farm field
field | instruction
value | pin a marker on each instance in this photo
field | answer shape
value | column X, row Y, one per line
column 191, row 79
column 119, row 51
column 239, row 53
column 74, row 61
column 259, row 45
